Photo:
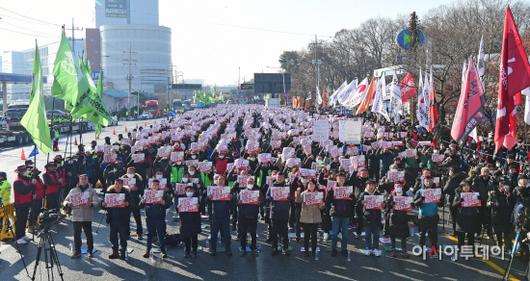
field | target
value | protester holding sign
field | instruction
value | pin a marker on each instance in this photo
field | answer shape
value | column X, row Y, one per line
column 397, row 206
column 428, row 212
column 340, row 199
column 116, row 203
column 190, row 222
column 82, row 200
column 221, row 205
column 310, row 216
column 280, row 206
column 155, row 201
column 467, row 217
column 372, row 219
column 249, row 202
column 136, row 185
column 501, row 201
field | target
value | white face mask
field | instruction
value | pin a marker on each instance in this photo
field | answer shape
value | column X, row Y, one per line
column 399, row 191
column 221, row 156
column 304, row 181
column 189, row 194
column 130, row 175
column 250, row 186
column 179, row 162
column 159, row 176
column 184, row 180
column 194, row 157
column 192, row 173
column 216, row 182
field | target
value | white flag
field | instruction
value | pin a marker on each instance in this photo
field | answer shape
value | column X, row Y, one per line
column 357, row 95
column 378, row 105
column 345, row 95
column 333, row 98
column 526, row 93
column 319, row 97
column 395, row 100
column 423, row 99
column 481, row 66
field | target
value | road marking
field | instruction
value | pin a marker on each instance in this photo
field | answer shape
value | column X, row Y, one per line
column 489, row 263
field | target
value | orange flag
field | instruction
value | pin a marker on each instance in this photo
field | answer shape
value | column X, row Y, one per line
column 368, row 99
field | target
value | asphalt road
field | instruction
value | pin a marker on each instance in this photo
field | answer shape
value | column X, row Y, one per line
column 221, row 267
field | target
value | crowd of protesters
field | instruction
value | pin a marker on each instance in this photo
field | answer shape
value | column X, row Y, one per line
column 273, row 155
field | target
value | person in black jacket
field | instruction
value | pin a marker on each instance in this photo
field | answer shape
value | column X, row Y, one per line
column 280, row 217
column 467, row 218
column 118, row 217
column 398, row 222
column 372, row 221
column 154, row 214
column 190, row 225
column 136, row 186
column 483, row 184
column 454, row 180
column 221, row 221
column 248, row 220
column 342, row 211
column 502, row 204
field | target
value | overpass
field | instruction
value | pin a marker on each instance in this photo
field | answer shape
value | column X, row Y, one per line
column 13, row 78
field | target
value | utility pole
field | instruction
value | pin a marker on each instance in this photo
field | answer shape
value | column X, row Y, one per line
column 130, row 62
column 316, row 62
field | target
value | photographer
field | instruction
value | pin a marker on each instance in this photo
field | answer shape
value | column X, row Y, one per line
column 82, row 199
column 23, row 188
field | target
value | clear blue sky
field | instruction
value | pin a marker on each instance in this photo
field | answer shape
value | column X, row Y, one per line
column 212, row 38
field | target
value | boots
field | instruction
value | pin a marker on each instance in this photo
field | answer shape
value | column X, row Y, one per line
column 114, row 254
column 123, row 253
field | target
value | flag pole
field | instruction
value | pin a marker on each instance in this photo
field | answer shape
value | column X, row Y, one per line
column 51, row 125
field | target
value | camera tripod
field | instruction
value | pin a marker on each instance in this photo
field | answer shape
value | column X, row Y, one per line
column 51, row 258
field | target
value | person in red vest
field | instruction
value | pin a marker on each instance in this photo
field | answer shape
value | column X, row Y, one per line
column 220, row 163
column 36, row 204
column 53, row 183
column 23, row 188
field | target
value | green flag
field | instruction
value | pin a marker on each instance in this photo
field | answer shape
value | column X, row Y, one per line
column 66, row 84
column 34, row 120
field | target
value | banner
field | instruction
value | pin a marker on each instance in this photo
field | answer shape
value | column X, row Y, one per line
column 204, row 166
column 437, row 158
column 342, row 192
column 432, row 195
column 264, row 157
column 153, row 196
column 313, row 198
column 403, row 203
column 308, row 172
column 321, row 130
column 280, row 193
column 188, row 205
column 470, row 199
column 249, row 197
column 373, row 202
column 138, row 157
column 219, row 193
column 115, row 200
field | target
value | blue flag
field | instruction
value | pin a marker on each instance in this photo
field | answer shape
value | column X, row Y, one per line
column 34, row 152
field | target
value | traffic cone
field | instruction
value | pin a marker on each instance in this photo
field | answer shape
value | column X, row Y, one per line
column 75, row 141
column 126, row 129
column 113, row 132
column 23, row 155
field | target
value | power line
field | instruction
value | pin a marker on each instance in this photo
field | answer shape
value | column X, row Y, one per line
column 25, row 33
column 30, row 18
column 27, row 29
column 267, row 30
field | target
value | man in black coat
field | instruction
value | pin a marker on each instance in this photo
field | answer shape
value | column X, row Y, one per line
column 453, row 182
column 118, row 217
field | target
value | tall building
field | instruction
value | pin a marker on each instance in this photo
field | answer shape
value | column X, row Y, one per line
column 21, row 62
column 135, row 52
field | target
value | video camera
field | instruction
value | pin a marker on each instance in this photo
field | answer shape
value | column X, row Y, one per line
column 46, row 220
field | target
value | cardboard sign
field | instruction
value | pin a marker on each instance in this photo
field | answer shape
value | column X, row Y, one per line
column 287, row 152
column 249, row 197
column 424, row 143
column 164, row 151
column 403, row 134
column 242, row 180
column 403, row 203
column 395, row 176
column 109, row 157
column 280, row 193
column 373, row 202
column 163, row 182
column 264, row 157
column 313, row 198
column 138, row 157
column 219, row 193
column 359, row 161
column 331, row 184
column 188, row 205
column 411, row 153
column 470, row 199
column 291, row 162
column 432, row 195
column 193, row 163
column 308, row 172
column 115, row 200
column 437, row 158
column 345, row 164
column 342, row 192
column 153, row 196
column 241, row 163
column 180, row 188
column 128, row 181
column 321, row 130
column 80, row 199
column 350, row 131
column 177, row 156
column 204, row 166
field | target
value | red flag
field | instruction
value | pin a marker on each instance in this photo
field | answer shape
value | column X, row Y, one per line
column 433, row 107
column 408, row 88
column 469, row 111
column 514, row 76
column 325, row 98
